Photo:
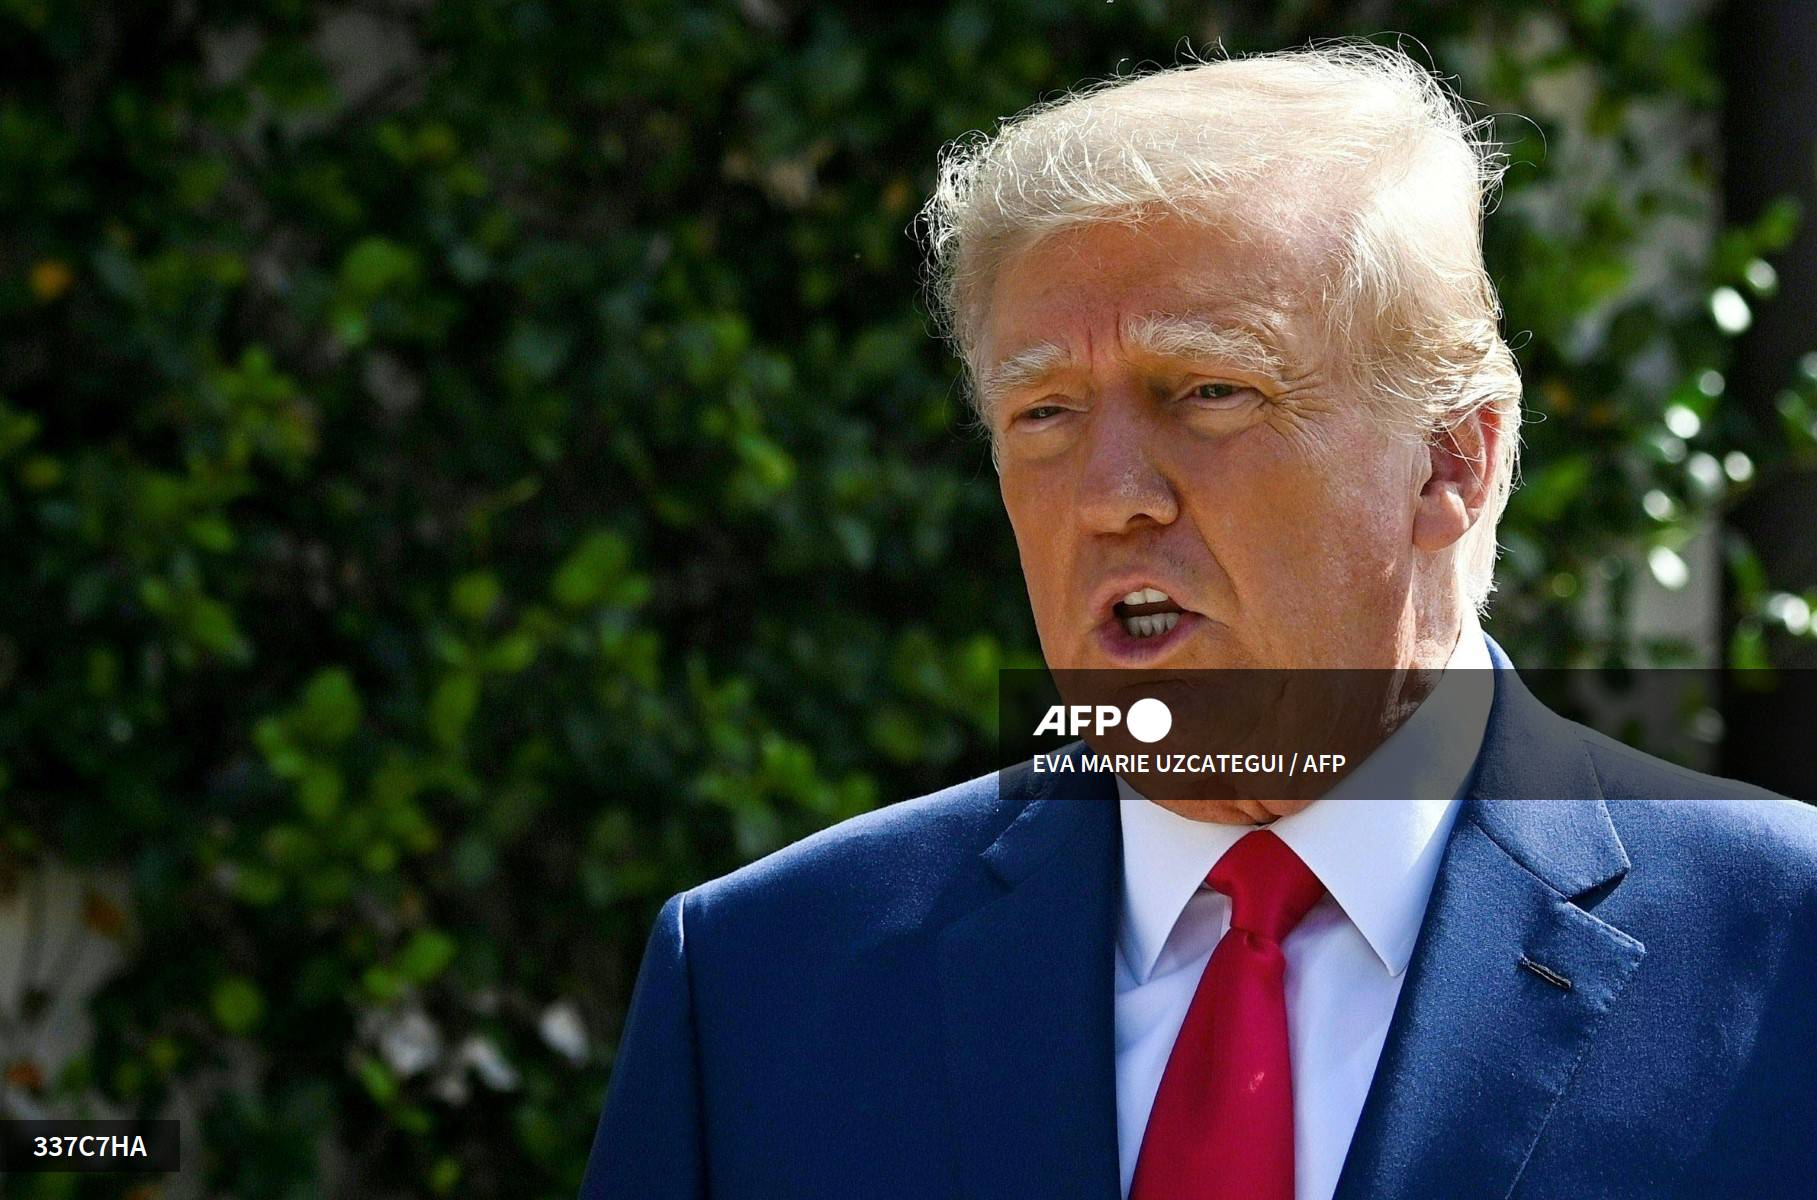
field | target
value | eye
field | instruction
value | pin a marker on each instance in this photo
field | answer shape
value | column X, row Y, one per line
column 1040, row 412
column 1214, row 391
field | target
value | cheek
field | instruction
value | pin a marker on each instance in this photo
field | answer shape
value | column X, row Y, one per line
column 1287, row 512
column 1023, row 505
column 1038, row 523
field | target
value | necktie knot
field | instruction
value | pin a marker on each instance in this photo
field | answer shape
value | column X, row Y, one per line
column 1270, row 889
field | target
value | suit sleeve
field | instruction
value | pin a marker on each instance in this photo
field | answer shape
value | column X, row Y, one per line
column 649, row 1143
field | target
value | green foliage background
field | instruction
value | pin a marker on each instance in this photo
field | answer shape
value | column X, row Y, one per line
column 469, row 470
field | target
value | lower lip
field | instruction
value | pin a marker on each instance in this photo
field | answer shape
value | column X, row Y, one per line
column 1125, row 649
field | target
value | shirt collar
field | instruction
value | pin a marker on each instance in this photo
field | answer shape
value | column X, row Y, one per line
column 1377, row 858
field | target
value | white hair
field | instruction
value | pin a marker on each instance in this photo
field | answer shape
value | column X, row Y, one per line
column 1401, row 174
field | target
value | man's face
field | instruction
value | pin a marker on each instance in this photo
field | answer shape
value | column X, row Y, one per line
column 1169, row 419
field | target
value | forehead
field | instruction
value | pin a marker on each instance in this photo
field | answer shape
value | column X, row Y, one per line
column 1080, row 286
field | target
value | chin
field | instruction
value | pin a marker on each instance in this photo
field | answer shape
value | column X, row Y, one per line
column 1234, row 812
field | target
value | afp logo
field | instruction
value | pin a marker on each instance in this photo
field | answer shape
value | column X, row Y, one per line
column 1148, row 720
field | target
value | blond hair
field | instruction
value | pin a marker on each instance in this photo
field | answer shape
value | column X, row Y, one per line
column 1403, row 174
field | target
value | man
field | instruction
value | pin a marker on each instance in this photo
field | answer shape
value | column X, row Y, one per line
column 1239, row 360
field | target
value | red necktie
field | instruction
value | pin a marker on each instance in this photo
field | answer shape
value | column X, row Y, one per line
column 1222, row 1124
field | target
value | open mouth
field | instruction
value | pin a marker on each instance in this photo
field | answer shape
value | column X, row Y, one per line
column 1147, row 612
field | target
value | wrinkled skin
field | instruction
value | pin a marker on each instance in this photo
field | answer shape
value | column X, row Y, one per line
column 1240, row 477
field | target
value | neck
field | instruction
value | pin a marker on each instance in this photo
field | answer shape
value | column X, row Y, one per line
column 1434, row 618
column 1399, row 692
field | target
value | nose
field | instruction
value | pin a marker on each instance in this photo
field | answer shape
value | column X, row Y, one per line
column 1121, row 484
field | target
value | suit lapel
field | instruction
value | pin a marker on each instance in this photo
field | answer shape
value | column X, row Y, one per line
column 1509, row 981
column 1026, row 992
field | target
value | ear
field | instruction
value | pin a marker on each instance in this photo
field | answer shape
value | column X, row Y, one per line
column 1457, row 487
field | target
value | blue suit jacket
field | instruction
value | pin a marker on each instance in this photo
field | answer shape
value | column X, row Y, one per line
column 917, row 1003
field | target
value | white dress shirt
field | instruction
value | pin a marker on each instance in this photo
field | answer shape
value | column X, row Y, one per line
column 1345, row 961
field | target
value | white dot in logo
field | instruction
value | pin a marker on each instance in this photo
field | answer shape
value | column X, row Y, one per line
column 1149, row 720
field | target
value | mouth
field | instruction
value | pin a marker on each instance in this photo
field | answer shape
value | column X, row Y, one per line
column 1147, row 612
column 1142, row 624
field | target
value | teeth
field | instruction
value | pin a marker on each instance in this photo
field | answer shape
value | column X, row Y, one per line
column 1151, row 625
column 1145, row 596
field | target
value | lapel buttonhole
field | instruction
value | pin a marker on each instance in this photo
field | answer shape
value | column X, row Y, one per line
column 1546, row 973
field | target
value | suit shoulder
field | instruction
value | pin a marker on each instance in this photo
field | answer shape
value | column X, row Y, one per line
column 1629, row 773
column 1733, row 828
column 892, row 862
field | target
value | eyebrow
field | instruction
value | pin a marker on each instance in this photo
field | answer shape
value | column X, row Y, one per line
column 1161, row 335
column 1023, row 369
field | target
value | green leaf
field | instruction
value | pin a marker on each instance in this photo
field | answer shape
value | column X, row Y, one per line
column 237, row 1004
column 451, row 708
column 589, row 574
column 382, row 984
column 376, row 1078
column 444, row 1175
column 211, row 625
column 330, row 710
column 474, row 595
column 426, row 955
column 512, row 653
column 1548, row 491
column 319, row 791
column 376, row 264
column 212, row 533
